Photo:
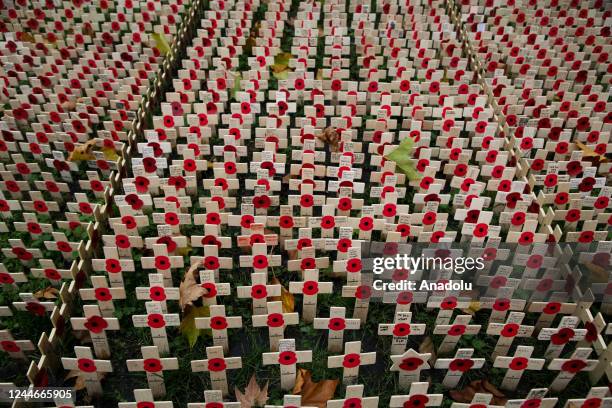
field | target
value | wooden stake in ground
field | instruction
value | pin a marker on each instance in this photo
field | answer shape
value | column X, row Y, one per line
column 310, row 288
column 287, row 358
column 457, row 366
column 88, row 368
column 216, row 364
column 336, row 324
column 154, row 367
column 97, row 326
column 219, row 324
column 276, row 321
column 517, row 365
column 569, row 367
column 351, row 360
column 157, row 320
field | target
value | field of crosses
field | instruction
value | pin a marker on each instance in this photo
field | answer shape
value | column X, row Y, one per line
column 185, row 187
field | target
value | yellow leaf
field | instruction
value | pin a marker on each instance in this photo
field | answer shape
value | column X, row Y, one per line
column 184, row 251
column 286, row 297
column 188, row 328
column 83, row 152
column 49, row 292
column 160, row 43
column 110, row 153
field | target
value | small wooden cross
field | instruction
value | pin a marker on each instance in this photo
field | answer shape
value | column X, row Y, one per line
column 213, row 399
column 597, row 397
column 410, row 364
column 276, row 321
column 259, row 291
column 287, row 357
column 354, row 398
column 457, row 366
column 213, row 288
column 336, row 324
column 563, row 334
column 113, row 265
column 454, row 332
column 144, row 398
column 103, row 294
column 162, row 262
column 508, row 331
column 97, row 326
column 89, row 369
column 352, row 359
column 549, row 310
column 569, row 367
column 290, row 401
column 310, row 288
column 400, row 329
column 219, row 324
column 517, row 365
column 216, row 364
column 534, row 398
column 260, row 260
column 157, row 320
column 478, row 401
column 154, row 367
column 14, row 348
column 417, row 397
column 158, row 291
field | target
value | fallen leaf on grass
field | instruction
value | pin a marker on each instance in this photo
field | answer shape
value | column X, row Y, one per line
column 49, row 292
column 280, row 68
column 286, row 297
column 253, row 396
column 314, row 394
column 330, row 136
column 110, row 153
column 479, row 386
column 79, row 383
column 427, row 346
column 190, row 290
column 188, row 327
column 402, row 156
column 83, row 152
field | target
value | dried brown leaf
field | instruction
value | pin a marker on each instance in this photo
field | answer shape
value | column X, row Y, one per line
column 49, row 292
column 330, row 136
column 190, row 290
column 427, row 346
column 479, row 386
column 83, row 151
column 314, row 394
column 286, row 297
column 79, row 383
column 253, row 396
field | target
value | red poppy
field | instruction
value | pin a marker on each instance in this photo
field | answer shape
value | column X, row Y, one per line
column 461, row 364
column 532, row 403
column 145, row 404
column 401, row 329
column 327, row 222
column 429, row 218
column 260, row 261
column 285, row 221
column 586, row 236
column 308, row 263
column 162, row 262
column 304, row 243
column 366, row 223
column 351, row 360
column 449, row 303
column 563, row 336
column 310, row 288
column 122, row 241
column 526, row 238
column 259, row 291
column 573, row 366
column 336, row 323
column 416, row 401
column 96, row 324
column 6, row 279
column 211, row 262
column 218, row 323
column 519, row 363
column 261, row 201
column 86, row 364
column 501, row 305
column 411, row 364
column 456, row 330
column 353, row 265
column 156, row 321
column 345, row 204
column 552, row 308
column 246, row 221
column 389, row 210
column 10, row 346
column 152, row 365
column 344, row 244
column 276, row 320
column 510, row 330
column 287, row 358
column 211, row 290
column 103, row 294
column 157, row 293
column 307, row 200
column 481, row 230
column 352, row 403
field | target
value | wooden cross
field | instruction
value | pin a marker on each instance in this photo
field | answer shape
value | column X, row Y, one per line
column 336, row 324
column 447, row 305
column 461, row 363
column 517, row 365
column 409, row 364
column 14, row 348
column 157, row 291
column 597, row 397
column 259, row 291
column 213, row 399
column 103, row 294
column 287, row 357
column 157, row 320
column 534, row 398
column 417, row 397
column 144, row 398
column 363, row 292
column 219, row 324
column 454, row 332
column 216, row 364
column 89, row 369
column 563, row 334
column 34, row 306
column 501, row 304
column 352, row 359
column 113, row 265
column 97, row 326
column 569, row 367
column 276, row 321
column 162, row 262
column 290, row 401
column 310, row 289
column 400, row 329
column 154, row 367
column 508, row 331
column 478, row 401
column 549, row 310
column 354, row 398
column 260, row 260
